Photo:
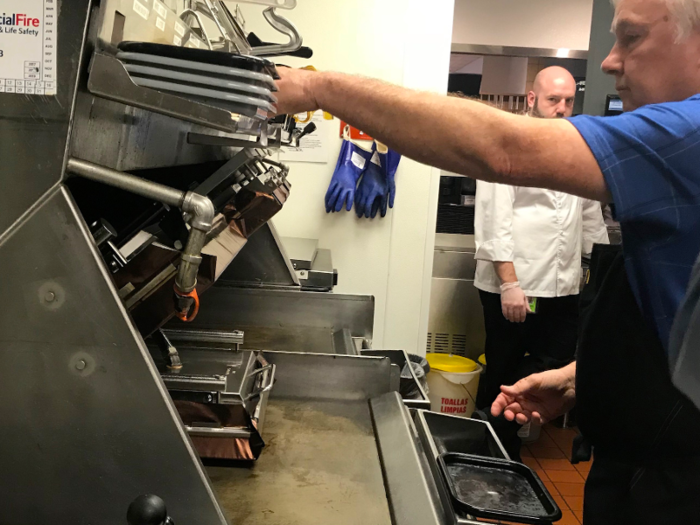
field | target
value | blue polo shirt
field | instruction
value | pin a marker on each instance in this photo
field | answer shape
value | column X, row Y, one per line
column 651, row 162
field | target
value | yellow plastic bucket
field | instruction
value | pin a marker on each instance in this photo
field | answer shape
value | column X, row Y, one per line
column 453, row 382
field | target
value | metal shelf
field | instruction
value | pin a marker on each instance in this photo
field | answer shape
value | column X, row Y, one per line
column 110, row 80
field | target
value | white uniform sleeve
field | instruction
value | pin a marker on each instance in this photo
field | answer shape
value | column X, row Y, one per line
column 493, row 222
column 594, row 229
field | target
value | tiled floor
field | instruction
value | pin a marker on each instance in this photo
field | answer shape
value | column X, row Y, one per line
column 548, row 456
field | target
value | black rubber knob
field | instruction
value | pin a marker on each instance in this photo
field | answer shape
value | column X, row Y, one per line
column 147, row 510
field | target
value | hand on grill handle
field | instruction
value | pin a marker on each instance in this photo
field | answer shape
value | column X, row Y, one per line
column 148, row 510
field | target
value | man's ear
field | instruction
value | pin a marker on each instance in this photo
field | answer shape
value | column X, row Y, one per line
column 531, row 99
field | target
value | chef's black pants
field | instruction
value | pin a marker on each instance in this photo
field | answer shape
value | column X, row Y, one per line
column 545, row 341
column 548, row 337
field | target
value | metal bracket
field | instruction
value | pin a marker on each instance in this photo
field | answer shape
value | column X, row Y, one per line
column 274, row 141
column 270, row 377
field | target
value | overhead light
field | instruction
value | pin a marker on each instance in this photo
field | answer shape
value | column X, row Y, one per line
column 563, row 52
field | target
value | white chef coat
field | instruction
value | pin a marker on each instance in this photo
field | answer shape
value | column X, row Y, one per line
column 542, row 232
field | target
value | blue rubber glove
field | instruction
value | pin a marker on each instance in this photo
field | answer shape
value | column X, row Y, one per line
column 392, row 163
column 372, row 190
column 389, row 160
column 341, row 191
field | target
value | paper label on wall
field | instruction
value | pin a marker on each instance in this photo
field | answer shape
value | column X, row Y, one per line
column 141, row 10
column 28, row 47
column 160, row 9
column 314, row 147
column 179, row 29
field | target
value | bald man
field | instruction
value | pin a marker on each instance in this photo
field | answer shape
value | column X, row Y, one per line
column 553, row 94
column 529, row 243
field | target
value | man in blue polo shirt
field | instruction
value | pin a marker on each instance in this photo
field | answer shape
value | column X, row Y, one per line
column 645, row 162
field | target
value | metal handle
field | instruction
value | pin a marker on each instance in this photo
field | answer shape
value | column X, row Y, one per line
column 219, row 432
column 236, row 25
column 191, row 12
column 233, row 38
column 271, row 381
column 285, row 27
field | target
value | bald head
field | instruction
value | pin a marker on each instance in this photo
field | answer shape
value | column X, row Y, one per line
column 553, row 93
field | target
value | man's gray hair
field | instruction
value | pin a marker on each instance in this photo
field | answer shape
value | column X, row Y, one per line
column 686, row 13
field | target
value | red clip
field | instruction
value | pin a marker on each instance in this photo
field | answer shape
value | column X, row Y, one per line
column 183, row 314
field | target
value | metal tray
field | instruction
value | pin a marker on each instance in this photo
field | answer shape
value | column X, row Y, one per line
column 219, row 58
column 199, row 79
column 221, row 396
column 399, row 358
column 249, row 106
column 441, row 433
column 497, row 489
column 173, row 64
column 461, row 435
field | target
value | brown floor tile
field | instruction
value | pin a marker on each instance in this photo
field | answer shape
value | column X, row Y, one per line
column 579, row 515
column 568, row 518
column 544, row 441
column 565, row 443
column 570, row 489
column 563, row 505
column 525, row 452
column 547, row 453
column 555, row 432
column 574, row 502
column 556, row 464
column 551, row 487
column 564, row 476
column 542, row 474
column 584, row 467
column 532, row 463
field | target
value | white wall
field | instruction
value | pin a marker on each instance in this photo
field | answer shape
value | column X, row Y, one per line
column 388, row 258
column 523, row 23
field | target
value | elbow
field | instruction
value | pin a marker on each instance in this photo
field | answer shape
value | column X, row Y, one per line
column 498, row 159
column 498, row 167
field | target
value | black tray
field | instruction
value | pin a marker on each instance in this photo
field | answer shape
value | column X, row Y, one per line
column 217, row 58
column 497, row 489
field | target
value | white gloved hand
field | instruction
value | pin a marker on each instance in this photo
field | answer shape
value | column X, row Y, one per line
column 514, row 303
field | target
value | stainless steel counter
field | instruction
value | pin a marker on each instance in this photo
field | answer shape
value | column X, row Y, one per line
column 341, row 450
column 320, row 466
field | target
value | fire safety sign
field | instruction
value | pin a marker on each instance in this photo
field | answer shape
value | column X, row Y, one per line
column 28, row 46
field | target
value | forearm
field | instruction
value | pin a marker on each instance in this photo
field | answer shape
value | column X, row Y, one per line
column 505, row 271
column 464, row 136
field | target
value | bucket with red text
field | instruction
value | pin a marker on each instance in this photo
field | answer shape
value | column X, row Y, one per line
column 453, row 381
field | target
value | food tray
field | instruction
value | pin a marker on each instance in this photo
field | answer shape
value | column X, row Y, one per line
column 219, row 58
column 497, row 489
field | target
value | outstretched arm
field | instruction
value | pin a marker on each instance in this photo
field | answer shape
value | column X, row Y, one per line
column 458, row 135
column 539, row 397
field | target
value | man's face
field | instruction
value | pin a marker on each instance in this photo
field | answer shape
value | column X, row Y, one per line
column 648, row 64
column 554, row 98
